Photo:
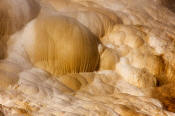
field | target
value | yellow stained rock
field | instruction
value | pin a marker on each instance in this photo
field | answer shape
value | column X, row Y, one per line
column 62, row 45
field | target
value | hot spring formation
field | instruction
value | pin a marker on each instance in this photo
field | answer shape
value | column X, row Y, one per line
column 87, row 57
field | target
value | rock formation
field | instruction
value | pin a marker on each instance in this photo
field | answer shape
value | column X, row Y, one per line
column 87, row 58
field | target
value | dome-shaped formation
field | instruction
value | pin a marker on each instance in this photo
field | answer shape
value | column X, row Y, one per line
column 62, row 45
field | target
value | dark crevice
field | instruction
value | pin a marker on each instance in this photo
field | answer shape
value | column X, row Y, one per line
column 170, row 4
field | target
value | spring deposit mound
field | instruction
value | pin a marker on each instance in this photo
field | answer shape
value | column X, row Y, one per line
column 87, row 58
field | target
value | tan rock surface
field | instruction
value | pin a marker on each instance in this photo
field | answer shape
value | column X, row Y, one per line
column 87, row 58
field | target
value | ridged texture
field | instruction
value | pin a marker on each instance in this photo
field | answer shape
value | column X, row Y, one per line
column 132, row 44
column 87, row 14
column 62, row 45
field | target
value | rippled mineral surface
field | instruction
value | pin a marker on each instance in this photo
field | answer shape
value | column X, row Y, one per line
column 87, row 58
